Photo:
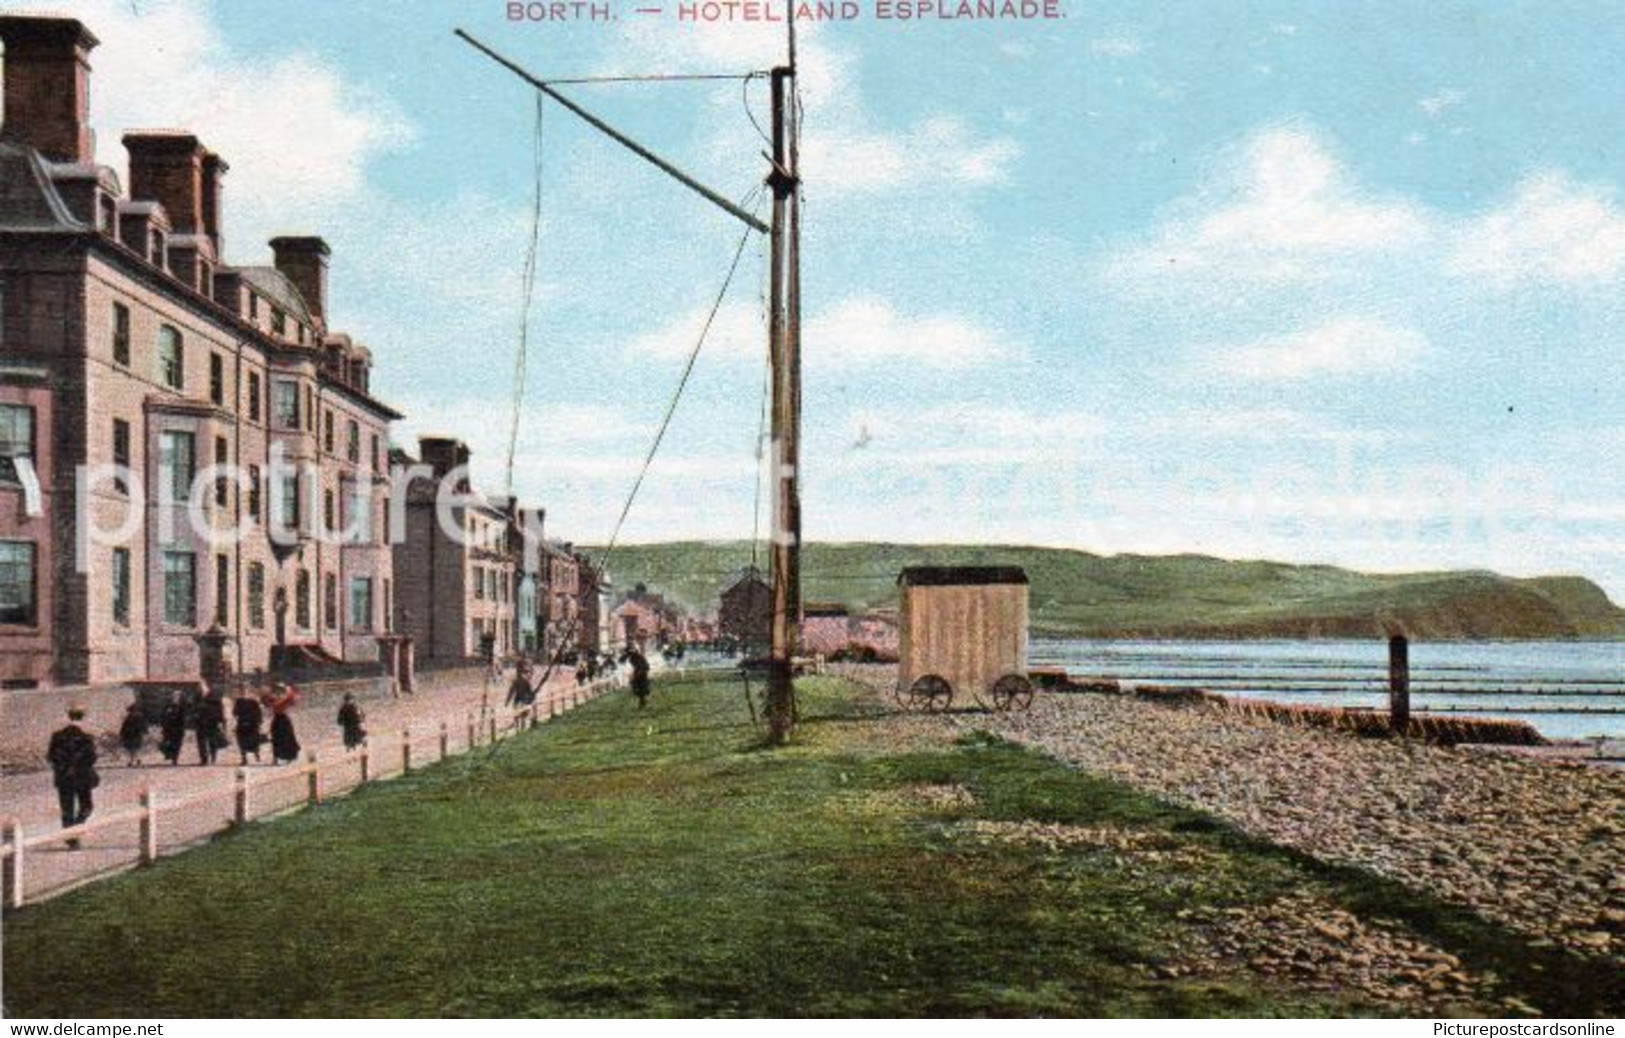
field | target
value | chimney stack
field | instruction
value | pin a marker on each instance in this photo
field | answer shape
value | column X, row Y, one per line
column 47, row 86
column 303, row 261
column 214, row 168
column 167, row 167
column 443, row 454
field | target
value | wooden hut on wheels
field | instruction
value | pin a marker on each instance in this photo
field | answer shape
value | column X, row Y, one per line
column 963, row 636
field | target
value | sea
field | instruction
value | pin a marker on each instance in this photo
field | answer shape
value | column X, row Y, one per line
column 1566, row 690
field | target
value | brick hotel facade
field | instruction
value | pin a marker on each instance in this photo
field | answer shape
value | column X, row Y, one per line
column 126, row 337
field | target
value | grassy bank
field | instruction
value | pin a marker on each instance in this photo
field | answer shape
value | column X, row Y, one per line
column 619, row 862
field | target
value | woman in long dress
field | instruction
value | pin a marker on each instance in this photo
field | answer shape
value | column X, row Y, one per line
column 284, row 743
column 132, row 733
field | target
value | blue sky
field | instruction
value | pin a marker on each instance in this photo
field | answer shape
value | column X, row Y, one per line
column 1317, row 282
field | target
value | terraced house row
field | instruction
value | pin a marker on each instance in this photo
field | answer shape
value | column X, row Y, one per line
column 128, row 339
column 133, row 359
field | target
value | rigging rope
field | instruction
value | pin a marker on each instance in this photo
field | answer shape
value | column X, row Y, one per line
column 666, row 78
column 677, row 396
column 601, row 563
column 527, row 295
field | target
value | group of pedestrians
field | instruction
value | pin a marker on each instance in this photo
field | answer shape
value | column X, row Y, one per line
column 205, row 717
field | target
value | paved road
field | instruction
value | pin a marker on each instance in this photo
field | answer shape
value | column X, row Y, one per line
column 205, row 795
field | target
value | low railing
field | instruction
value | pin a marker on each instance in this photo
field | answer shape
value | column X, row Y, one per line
column 184, row 821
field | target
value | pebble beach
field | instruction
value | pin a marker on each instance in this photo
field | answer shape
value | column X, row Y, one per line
column 1537, row 846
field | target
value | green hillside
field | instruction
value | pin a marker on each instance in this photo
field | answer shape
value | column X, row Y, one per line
column 1075, row 592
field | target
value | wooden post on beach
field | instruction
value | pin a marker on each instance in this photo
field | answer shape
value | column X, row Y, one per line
column 313, row 772
column 239, row 812
column 1399, row 684
column 12, row 879
column 149, row 828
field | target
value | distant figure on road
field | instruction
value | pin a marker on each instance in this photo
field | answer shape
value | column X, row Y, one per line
column 209, row 718
column 132, row 733
column 172, row 729
column 520, row 692
column 284, row 743
column 248, row 719
column 350, row 719
column 640, row 676
column 72, row 754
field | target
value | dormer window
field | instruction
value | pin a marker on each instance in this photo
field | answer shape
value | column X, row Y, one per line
column 253, row 307
column 279, row 322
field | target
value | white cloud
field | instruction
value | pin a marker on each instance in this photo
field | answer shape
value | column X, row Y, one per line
column 1551, row 230
column 871, row 162
column 1116, row 47
column 1342, row 346
column 847, row 149
column 1287, row 208
column 296, row 132
column 856, row 332
column 1435, row 105
column 868, row 330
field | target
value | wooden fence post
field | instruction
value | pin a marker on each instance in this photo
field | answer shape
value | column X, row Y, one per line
column 240, row 798
column 493, row 729
column 406, row 751
column 13, row 877
column 314, row 773
column 445, row 740
column 149, row 828
column 366, row 762
column 473, row 734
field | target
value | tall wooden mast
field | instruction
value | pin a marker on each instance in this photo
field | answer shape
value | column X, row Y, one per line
column 784, row 335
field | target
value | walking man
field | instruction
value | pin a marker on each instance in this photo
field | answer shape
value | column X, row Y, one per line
column 351, row 720
column 640, row 676
column 72, row 754
column 211, row 726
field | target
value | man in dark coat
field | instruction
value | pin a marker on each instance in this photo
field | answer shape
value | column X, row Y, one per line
column 210, row 721
column 248, row 717
column 350, row 720
column 172, row 729
column 72, row 754
column 520, row 691
column 640, row 676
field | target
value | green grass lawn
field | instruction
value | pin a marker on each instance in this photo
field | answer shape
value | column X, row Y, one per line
column 626, row 863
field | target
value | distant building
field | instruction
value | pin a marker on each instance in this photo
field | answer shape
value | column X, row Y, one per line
column 593, row 633
column 126, row 338
column 745, row 612
column 831, row 630
column 644, row 619
column 457, row 590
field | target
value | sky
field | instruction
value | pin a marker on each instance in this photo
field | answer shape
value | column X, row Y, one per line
column 1317, row 282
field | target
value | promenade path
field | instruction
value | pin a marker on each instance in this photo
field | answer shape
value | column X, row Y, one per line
column 193, row 802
